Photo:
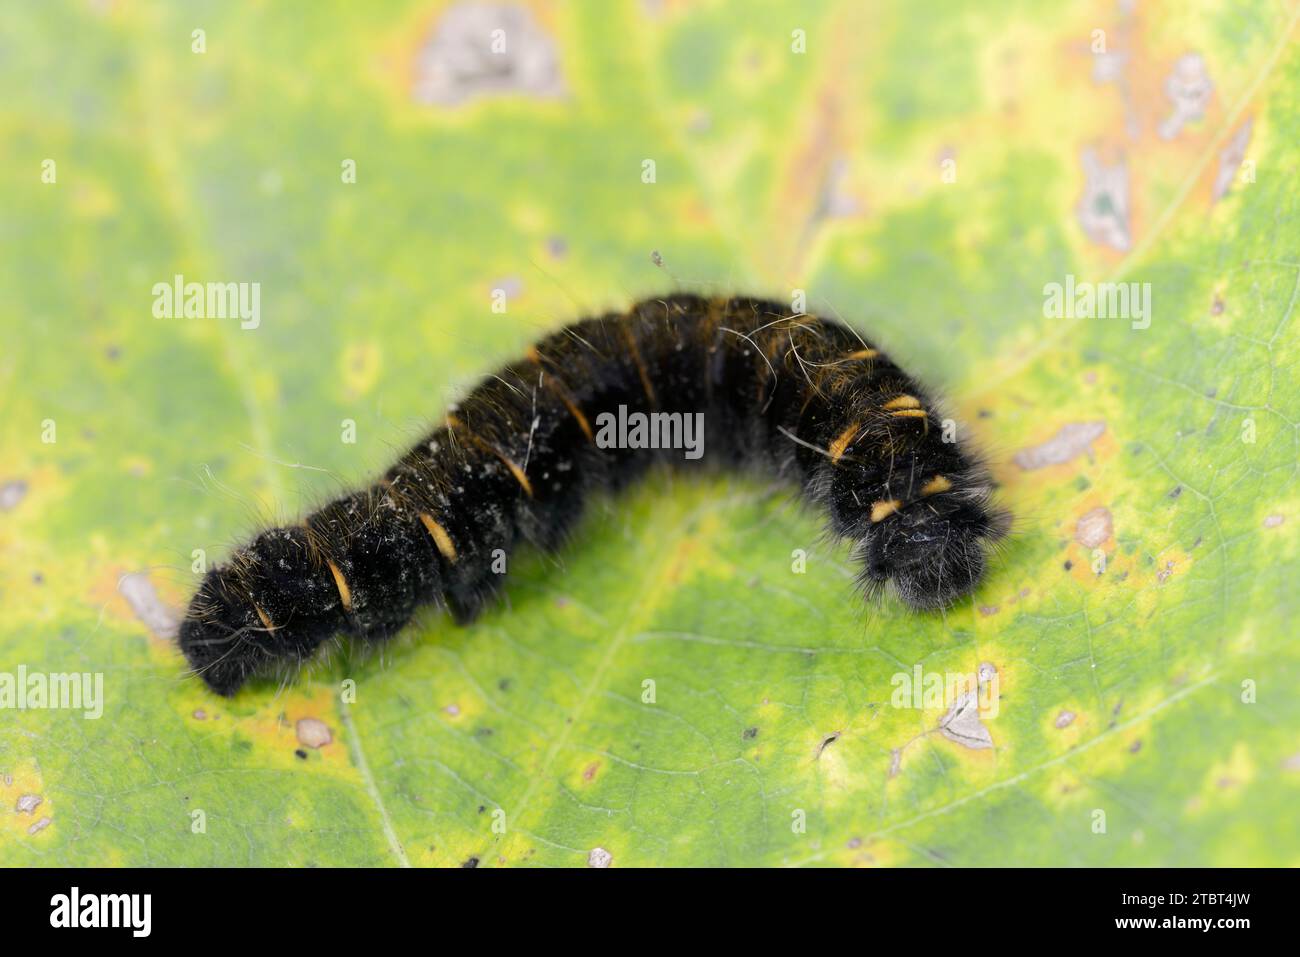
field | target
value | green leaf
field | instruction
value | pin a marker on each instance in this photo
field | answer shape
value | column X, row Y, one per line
column 669, row 688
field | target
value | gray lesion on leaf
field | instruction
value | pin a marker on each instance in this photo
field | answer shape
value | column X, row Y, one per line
column 143, row 598
column 11, row 493
column 1103, row 209
column 28, row 803
column 486, row 50
column 1230, row 159
column 962, row 723
column 835, row 201
column 1070, row 441
column 1111, row 66
column 1189, row 89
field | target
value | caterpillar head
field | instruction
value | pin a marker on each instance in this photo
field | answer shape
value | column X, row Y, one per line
column 281, row 596
column 220, row 636
column 269, row 607
column 935, row 550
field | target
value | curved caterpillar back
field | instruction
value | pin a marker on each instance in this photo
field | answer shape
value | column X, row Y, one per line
column 799, row 395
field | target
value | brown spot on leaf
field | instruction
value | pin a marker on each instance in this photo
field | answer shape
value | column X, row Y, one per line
column 40, row 825
column 599, row 857
column 1273, row 521
column 590, row 770
column 1094, row 528
column 828, row 741
column 1065, row 719
column 313, row 732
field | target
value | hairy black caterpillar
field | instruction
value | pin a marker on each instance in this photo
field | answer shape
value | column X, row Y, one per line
column 515, row 460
